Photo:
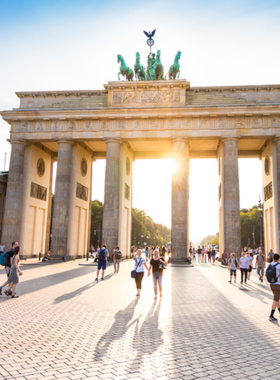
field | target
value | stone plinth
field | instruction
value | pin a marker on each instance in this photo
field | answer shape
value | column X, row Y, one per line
column 180, row 209
column 61, row 200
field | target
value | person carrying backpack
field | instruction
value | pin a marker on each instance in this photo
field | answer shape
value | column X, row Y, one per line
column 273, row 277
column 102, row 254
column 260, row 264
column 232, row 266
column 8, row 258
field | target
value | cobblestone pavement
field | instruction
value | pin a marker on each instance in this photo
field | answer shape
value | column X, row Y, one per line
column 66, row 326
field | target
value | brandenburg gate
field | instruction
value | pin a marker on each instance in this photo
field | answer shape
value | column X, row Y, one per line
column 127, row 121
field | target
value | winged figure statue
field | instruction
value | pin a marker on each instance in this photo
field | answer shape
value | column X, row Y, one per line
column 150, row 34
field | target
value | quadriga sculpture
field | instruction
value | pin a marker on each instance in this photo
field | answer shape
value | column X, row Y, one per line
column 138, row 69
column 124, row 70
column 175, row 68
column 158, row 67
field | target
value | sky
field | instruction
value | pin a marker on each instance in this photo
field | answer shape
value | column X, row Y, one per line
column 73, row 45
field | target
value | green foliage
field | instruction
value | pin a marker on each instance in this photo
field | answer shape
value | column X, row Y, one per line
column 251, row 222
column 207, row 240
column 215, row 240
column 96, row 221
column 153, row 233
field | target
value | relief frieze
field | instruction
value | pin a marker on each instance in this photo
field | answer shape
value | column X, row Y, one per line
column 38, row 191
column 144, row 97
column 268, row 192
column 82, row 192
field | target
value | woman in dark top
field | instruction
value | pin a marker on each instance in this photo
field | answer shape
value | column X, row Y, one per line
column 157, row 264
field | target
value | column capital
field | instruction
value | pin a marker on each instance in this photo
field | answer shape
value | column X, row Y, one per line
column 18, row 142
column 225, row 139
column 112, row 140
column 63, row 141
column 179, row 139
column 277, row 138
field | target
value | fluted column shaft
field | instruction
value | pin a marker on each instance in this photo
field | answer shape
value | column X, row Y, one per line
column 110, row 228
column 12, row 218
column 180, row 201
column 61, row 200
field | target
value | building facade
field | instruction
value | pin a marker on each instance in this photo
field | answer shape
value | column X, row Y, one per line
column 124, row 122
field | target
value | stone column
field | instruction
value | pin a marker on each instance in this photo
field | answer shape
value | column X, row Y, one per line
column 277, row 203
column 12, row 218
column 110, row 228
column 89, row 208
column 180, row 201
column 61, row 200
column 48, row 227
column 230, row 197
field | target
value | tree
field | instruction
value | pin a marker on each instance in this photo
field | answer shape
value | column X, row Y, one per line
column 207, row 239
column 250, row 223
column 96, row 221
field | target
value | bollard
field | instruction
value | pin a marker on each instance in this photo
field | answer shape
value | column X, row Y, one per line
column 39, row 256
column 87, row 256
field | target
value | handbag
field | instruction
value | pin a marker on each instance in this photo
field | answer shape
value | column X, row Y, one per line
column 133, row 272
column 163, row 265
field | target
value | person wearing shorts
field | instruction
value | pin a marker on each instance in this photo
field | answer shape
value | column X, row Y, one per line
column 260, row 263
column 275, row 288
column 250, row 259
column 232, row 267
column 199, row 250
column 102, row 261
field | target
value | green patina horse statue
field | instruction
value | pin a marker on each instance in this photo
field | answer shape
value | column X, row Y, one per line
column 175, row 68
column 124, row 70
column 138, row 69
column 158, row 67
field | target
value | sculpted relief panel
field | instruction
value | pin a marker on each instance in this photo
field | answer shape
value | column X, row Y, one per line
column 146, row 97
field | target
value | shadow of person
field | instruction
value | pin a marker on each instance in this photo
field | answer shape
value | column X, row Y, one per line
column 118, row 329
column 148, row 339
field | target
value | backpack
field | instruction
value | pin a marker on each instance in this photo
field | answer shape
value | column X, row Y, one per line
column 271, row 274
column 102, row 254
column 4, row 259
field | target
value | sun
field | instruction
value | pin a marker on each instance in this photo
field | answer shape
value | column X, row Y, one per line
column 173, row 165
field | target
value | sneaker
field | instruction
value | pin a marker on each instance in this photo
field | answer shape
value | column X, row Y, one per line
column 259, row 278
column 0, row 291
column 262, row 280
column 102, row 279
column 272, row 319
column 96, row 279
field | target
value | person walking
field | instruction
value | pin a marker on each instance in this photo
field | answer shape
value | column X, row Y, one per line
column 146, row 252
column 232, row 266
column 117, row 259
column 260, row 264
column 2, row 248
column 199, row 254
column 194, row 255
column 14, row 273
column 10, row 255
column 157, row 264
column 244, row 266
column 250, row 260
column 270, row 255
column 213, row 254
column 102, row 254
column 139, row 265
column 275, row 286
column 203, row 254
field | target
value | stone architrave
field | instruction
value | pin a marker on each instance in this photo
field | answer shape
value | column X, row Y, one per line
column 61, row 200
column 110, row 228
column 230, row 197
column 180, row 200
column 12, row 218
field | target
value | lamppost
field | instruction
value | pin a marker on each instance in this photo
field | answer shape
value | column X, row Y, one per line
column 260, row 216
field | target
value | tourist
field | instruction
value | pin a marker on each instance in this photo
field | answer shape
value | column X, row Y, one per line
column 209, row 255
column 163, row 251
column 113, row 253
column 203, row 253
column 14, row 273
column 250, row 259
column 199, row 254
column 270, row 255
column 275, row 287
column 91, row 251
column 194, row 255
column 213, row 254
column 224, row 258
column 102, row 254
column 10, row 255
column 117, row 259
column 150, row 252
column 2, row 248
column 244, row 266
column 157, row 264
column 146, row 252
column 260, row 264
column 139, row 265
column 132, row 251
column 232, row 266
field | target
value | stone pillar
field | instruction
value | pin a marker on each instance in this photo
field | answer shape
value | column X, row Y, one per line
column 229, row 193
column 180, row 201
column 48, row 227
column 61, row 200
column 110, row 228
column 277, row 203
column 13, row 208
column 89, row 207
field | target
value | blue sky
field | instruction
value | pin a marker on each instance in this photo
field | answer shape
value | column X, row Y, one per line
column 68, row 45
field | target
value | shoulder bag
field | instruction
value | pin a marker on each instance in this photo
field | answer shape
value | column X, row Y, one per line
column 133, row 272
